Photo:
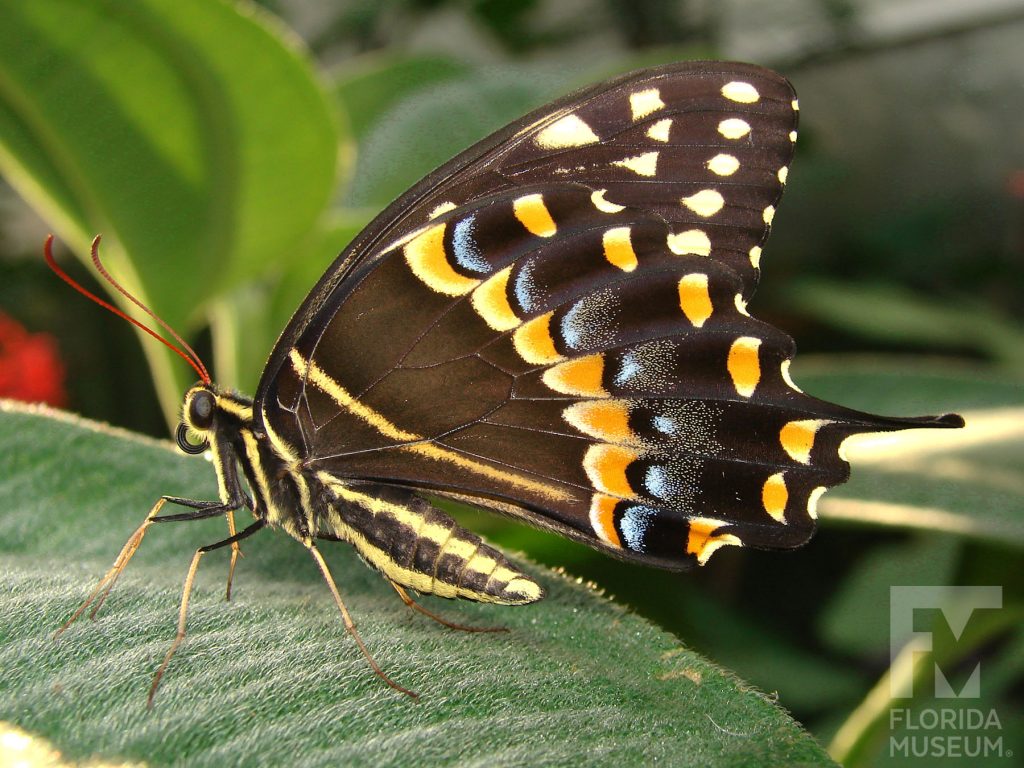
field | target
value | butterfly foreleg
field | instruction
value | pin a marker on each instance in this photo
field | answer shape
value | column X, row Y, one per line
column 187, row 593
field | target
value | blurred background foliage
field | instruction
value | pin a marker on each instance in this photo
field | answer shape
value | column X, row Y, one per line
column 227, row 152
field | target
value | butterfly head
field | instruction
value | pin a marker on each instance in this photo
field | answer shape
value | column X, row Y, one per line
column 208, row 411
column 198, row 418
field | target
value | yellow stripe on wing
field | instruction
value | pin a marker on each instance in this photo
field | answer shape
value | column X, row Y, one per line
column 416, row 443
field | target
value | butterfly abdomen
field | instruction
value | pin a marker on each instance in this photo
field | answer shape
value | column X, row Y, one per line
column 418, row 546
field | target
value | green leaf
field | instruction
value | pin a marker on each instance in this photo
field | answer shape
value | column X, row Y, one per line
column 432, row 125
column 272, row 674
column 899, row 316
column 966, row 482
column 171, row 127
column 371, row 85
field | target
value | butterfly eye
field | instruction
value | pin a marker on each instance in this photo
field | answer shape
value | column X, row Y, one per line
column 200, row 410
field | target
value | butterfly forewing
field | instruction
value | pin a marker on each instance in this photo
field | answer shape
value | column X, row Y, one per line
column 554, row 324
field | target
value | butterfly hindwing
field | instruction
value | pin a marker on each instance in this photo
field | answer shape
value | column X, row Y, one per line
column 554, row 325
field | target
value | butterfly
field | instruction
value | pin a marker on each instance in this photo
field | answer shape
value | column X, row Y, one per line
column 552, row 325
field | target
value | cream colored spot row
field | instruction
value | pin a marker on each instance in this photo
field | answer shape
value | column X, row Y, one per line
column 567, row 131
column 605, row 206
column 692, row 241
column 740, row 92
column 755, row 257
column 786, row 377
column 783, row 174
column 659, row 131
column 812, row 501
column 643, row 103
column 723, row 165
column 642, row 165
column 734, row 128
column 768, row 214
column 442, row 209
column 705, row 203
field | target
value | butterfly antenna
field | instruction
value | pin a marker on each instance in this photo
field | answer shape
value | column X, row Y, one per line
column 191, row 357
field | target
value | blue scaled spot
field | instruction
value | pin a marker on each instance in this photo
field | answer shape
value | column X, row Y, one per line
column 525, row 288
column 633, row 525
column 467, row 252
column 658, row 482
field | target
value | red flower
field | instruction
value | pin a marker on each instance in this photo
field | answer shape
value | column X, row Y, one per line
column 30, row 366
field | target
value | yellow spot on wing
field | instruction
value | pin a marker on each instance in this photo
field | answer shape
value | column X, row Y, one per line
column 607, row 420
column 606, row 465
column 643, row 103
column 787, row 377
column 744, row 365
column 723, row 164
column 694, row 298
column 581, row 376
column 427, row 259
column 693, row 241
column 702, row 541
column 642, row 165
column 783, row 174
column 774, row 496
column 605, row 206
column 618, row 249
column 734, row 128
column 490, row 300
column 792, row 136
column 812, row 501
column 417, row 444
column 567, row 131
column 659, row 131
column 797, row 438
column 602, row 519
column 768, row 214
column 741, row 92
column 534, row 215
column 755, row 257
column 741, row 305
column 533, row 341
column 705, row 203
column 441, row 209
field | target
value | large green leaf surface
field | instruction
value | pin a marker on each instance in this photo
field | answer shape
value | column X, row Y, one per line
column 271, row 677
column 192, row 134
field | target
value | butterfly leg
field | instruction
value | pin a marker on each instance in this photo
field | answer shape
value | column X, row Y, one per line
column 187, row 593
column 201, row 509
column 440, row 620
column 349, row 624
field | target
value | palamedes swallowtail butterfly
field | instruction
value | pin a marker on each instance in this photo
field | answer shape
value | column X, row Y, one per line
column 552, row 325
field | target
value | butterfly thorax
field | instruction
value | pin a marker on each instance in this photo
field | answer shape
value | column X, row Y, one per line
column 392, row 528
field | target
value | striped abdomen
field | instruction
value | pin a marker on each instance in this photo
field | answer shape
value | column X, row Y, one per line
column 418, row 546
